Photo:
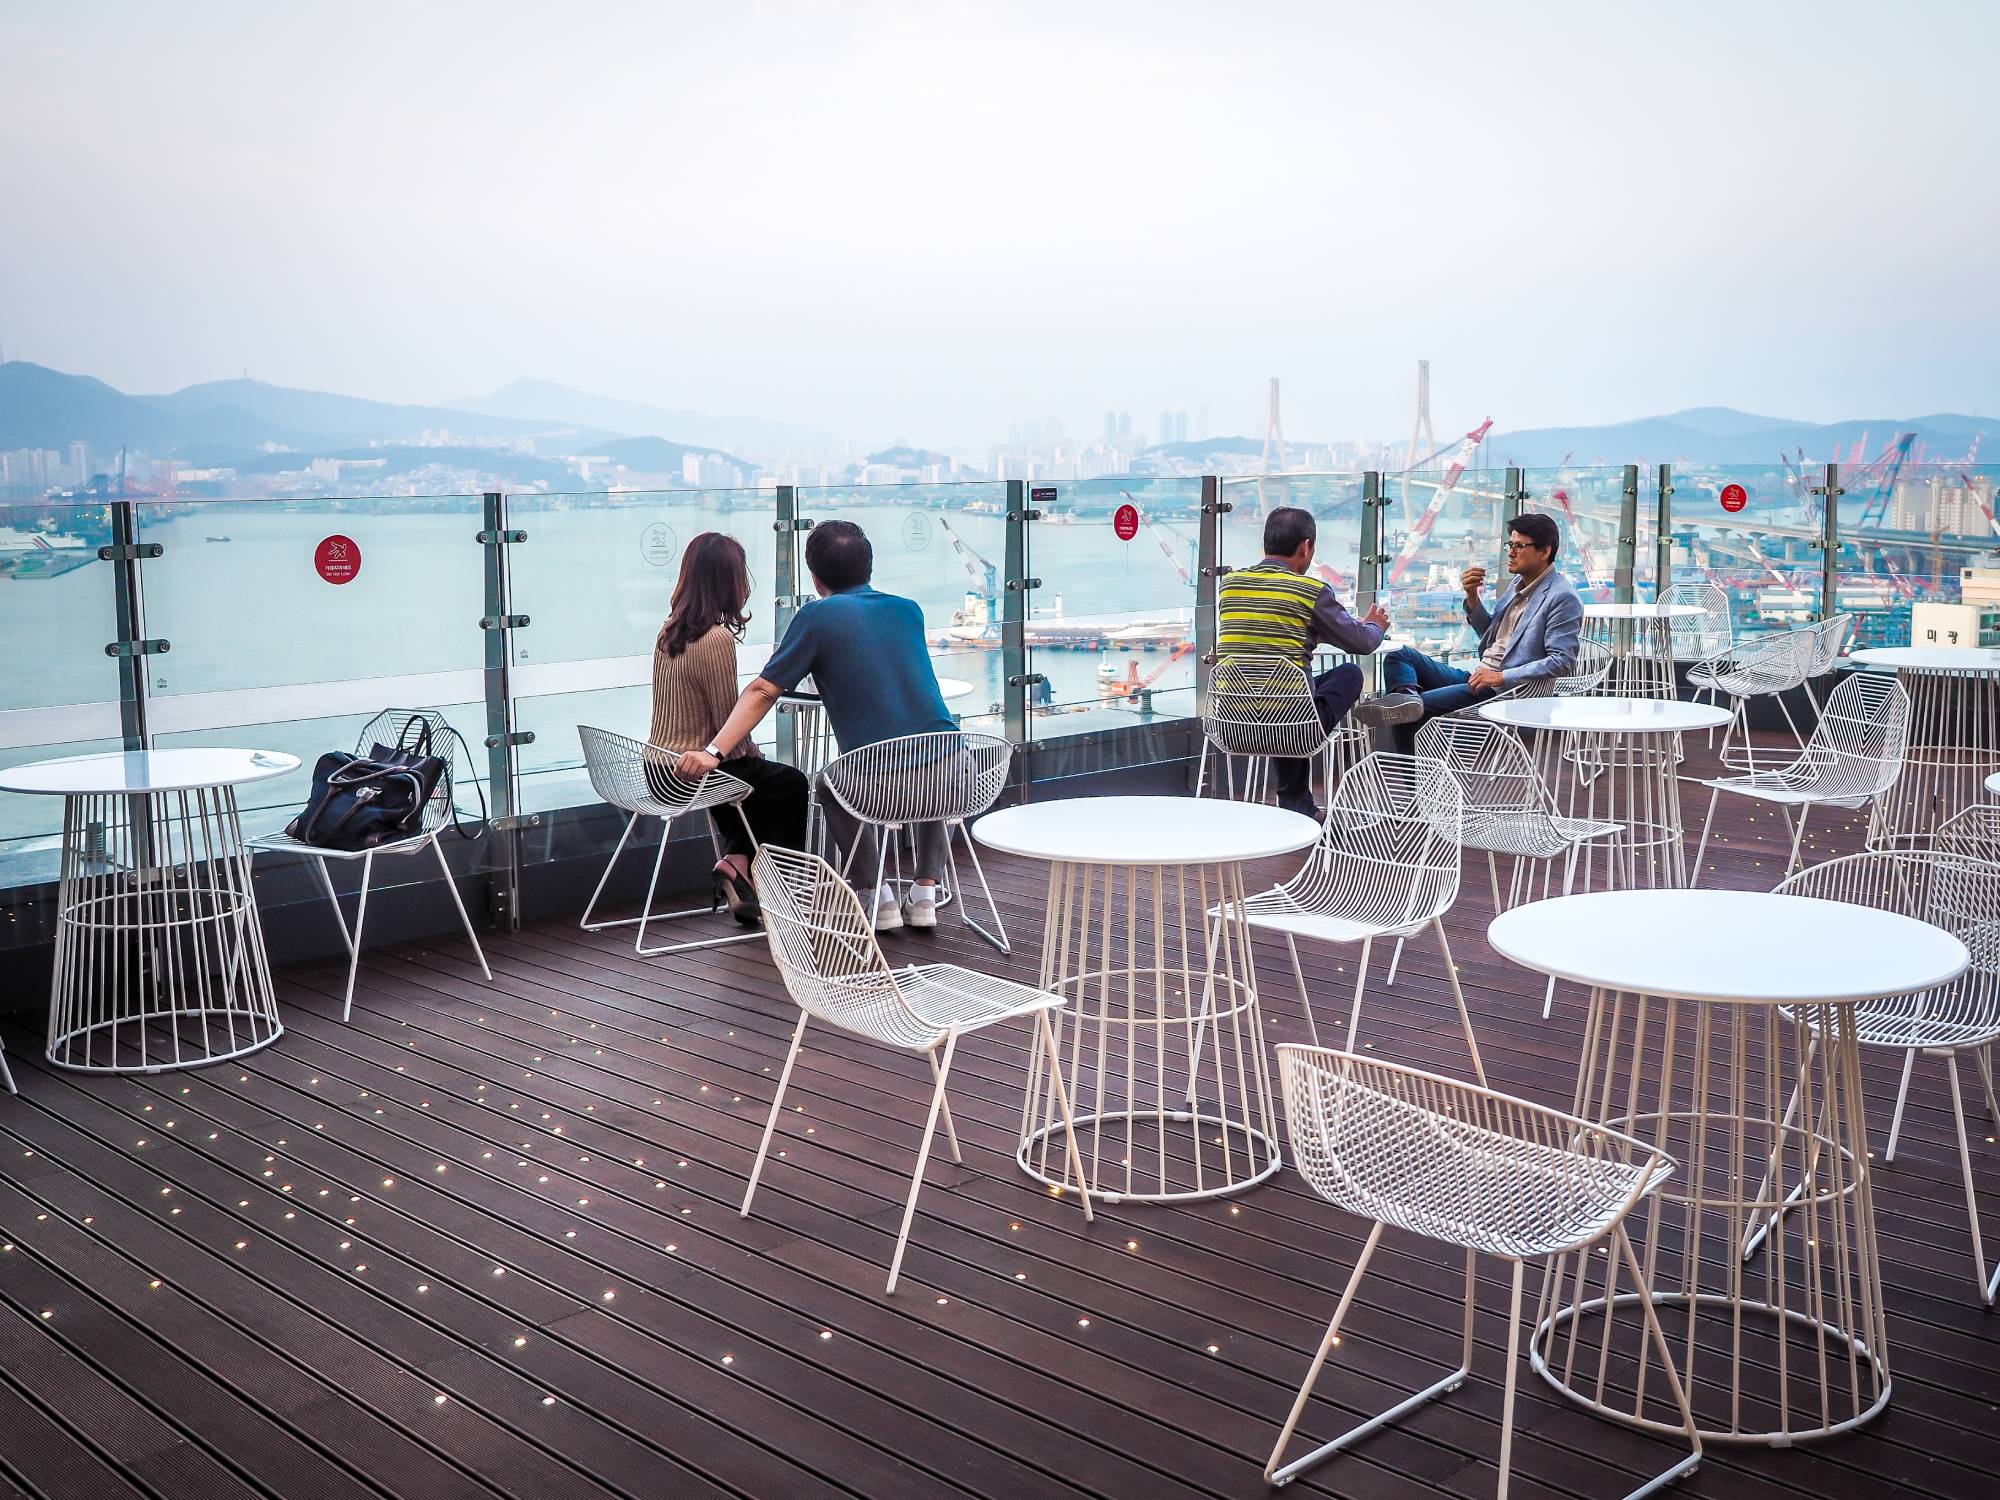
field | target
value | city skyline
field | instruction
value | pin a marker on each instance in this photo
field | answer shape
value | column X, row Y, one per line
column 1576, row 217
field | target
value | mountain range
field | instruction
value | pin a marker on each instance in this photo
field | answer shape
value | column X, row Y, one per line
column 1723, row 435
column 544, row 400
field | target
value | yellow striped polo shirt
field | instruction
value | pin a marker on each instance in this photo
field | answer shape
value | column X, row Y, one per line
column 1266, row 609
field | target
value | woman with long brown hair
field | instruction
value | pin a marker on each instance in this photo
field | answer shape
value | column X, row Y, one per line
column 694, row 688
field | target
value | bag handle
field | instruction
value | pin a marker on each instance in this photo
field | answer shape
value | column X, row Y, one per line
column 422, row 746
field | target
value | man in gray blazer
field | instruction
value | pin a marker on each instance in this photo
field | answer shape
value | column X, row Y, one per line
column 1533, row 634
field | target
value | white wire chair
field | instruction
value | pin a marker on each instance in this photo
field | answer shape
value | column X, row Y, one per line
column 948, row 777
column 1386, row 865
column 1704, row 636
column 1260, row 709
column 6, row 1073
column 1962, row 896
column 1473, row 1169
column 1855, row 755
column 825, row 948
column 1767, row 667
column 386, row 729
column 1508, row 808
column 642, row 781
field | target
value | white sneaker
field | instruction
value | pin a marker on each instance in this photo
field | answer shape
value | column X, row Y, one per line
column 921, row 909
column 888, row 914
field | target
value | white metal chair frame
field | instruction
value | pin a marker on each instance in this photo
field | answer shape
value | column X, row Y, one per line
column 1474, row 1169
column 825, row 948
column 1707, row 635
column 385, row 729
column 1508, row 808
column 948, row 777
column 631, row 775
column 1768, row 666
column 1855, row 754
column 1261, row 708
column 1962, row 896
column 6, row 1073
column 1386, row 865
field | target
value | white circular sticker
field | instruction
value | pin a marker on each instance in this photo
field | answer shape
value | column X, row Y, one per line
column 658, row 544
column 916, row 531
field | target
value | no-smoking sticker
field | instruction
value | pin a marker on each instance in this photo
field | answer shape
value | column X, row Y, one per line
column 1125, row 522
column 337, row 559
column 1734, row 497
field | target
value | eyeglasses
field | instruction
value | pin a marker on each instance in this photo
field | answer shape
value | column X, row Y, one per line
column 1523, row 547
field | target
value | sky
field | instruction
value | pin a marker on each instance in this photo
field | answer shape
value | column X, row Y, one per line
column 928, row 220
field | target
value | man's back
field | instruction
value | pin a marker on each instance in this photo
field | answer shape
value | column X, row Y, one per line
column 866, row 654
column 1266, row 610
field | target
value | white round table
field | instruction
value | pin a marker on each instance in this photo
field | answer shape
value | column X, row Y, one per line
column 1618, row 762
column 1640, row 638
column 1166, row 1064
column 159, row 956
column 1954, row 739
column 1993, row 785
column 1697, row 1040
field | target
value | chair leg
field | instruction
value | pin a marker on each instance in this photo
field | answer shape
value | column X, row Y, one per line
column 652, row 884
column 1798, row 834
column 1569, row 880
column 1277, row 1475
column 1658, row 1336
column 7, row 1073
column 923, row 1160
column 1201, row 768
column 1701, row 849
column 950, row 1130
column 354, row 948
column 1360, row 984
column 1305, row 999
column 1458, row 994
column 998, row 936
column 1069, row 1121
column 1513, row 1371
column 1986, row 1286
column 1395, row 959
column 1982, row 1058
column 452, row 886
column 771, row 1124
column 326, row 884
column 1902, row 1097
column 618, row 849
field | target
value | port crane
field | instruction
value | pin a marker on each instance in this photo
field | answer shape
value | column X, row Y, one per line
column 1132, row 686
column 1459, row 463
column 977, row 568
column 1161, row 535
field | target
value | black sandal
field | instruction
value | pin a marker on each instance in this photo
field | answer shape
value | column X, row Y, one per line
column 739, row 895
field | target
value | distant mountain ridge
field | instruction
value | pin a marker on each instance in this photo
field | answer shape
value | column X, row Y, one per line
column 1722, row 435
column 756, row 436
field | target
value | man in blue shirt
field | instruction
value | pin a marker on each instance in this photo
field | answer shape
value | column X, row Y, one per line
column 866, row 654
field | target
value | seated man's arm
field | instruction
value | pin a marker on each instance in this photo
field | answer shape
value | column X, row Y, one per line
column 1476, row 613
column 1562, row 628
column 790, row 663
column 1333, row 624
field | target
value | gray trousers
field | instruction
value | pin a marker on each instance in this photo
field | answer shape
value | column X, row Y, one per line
column 845, row 830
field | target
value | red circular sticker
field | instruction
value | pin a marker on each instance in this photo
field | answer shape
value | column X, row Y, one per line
column 1125, row 522
column 337, row 559
column 1734, row 498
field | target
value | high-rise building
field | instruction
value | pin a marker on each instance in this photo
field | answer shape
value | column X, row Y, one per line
column 1124, row 424
column 79, row 464
column 1201, row 420
column 1166, row 426
column 1110, row 426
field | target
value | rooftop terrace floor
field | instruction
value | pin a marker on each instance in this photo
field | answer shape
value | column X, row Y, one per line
column 483, row 1239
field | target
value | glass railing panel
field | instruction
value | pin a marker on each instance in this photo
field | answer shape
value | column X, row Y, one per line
column 596, row 577
column 1914, row 536
column 59, row 690
column 1111, row 629
column 1586, row 503
column 945, row 546
column 1751, row 529
column 1436, row 524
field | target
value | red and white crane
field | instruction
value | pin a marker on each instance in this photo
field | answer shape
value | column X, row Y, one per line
column 1460, row 461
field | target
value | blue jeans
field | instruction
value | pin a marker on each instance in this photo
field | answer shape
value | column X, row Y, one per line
column 1443, row 689
column 1334, row 693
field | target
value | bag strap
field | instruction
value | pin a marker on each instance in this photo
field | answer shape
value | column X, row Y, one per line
column 423, row 740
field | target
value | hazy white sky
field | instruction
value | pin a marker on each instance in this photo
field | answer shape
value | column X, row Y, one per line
column 930, row 219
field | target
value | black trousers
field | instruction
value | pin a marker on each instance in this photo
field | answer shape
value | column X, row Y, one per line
column 776, row 806
column 1335, row 691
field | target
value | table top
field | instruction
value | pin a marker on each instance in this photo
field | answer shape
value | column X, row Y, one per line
column 1743, row 947
column 1930, row 658
column 1605, row 715
column 145, row 771
column 1609, row 611
column 1146, row 830
column 1993, row 784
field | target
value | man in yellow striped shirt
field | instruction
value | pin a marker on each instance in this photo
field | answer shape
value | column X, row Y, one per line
column 1276, row 608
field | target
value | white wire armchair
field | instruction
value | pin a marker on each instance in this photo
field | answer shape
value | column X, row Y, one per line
column 1768, row 667
column 1386, row 865
column 826, row 951
column 1260, row 709
column 1473, row 1169
column 947, row 777
column 1855, row 755
column 1962, row 896
column 385, row 731
column 641, row 780
column 1508, row 808
column 1704, row 636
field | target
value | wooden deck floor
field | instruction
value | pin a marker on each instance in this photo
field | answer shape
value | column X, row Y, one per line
column 482, row 1239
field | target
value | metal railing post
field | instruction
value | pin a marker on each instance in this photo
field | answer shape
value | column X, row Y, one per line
column 785, row 604
column 1016, row 679
column 503, row 736
column 1628, row 536
column 1368, row 567
column 1663, row 534
column 1209, row 569
column 1829, row 543
column 1513, row 500
column 129, row 643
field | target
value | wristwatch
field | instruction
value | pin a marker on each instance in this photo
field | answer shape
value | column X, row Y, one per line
column 711, row 748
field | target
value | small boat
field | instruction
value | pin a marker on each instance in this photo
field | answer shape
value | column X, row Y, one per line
column 218, row 539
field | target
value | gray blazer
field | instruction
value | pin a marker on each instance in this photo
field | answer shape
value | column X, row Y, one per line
column 1544, row 643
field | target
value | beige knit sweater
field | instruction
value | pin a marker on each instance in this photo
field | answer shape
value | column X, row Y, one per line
column 693, row 694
